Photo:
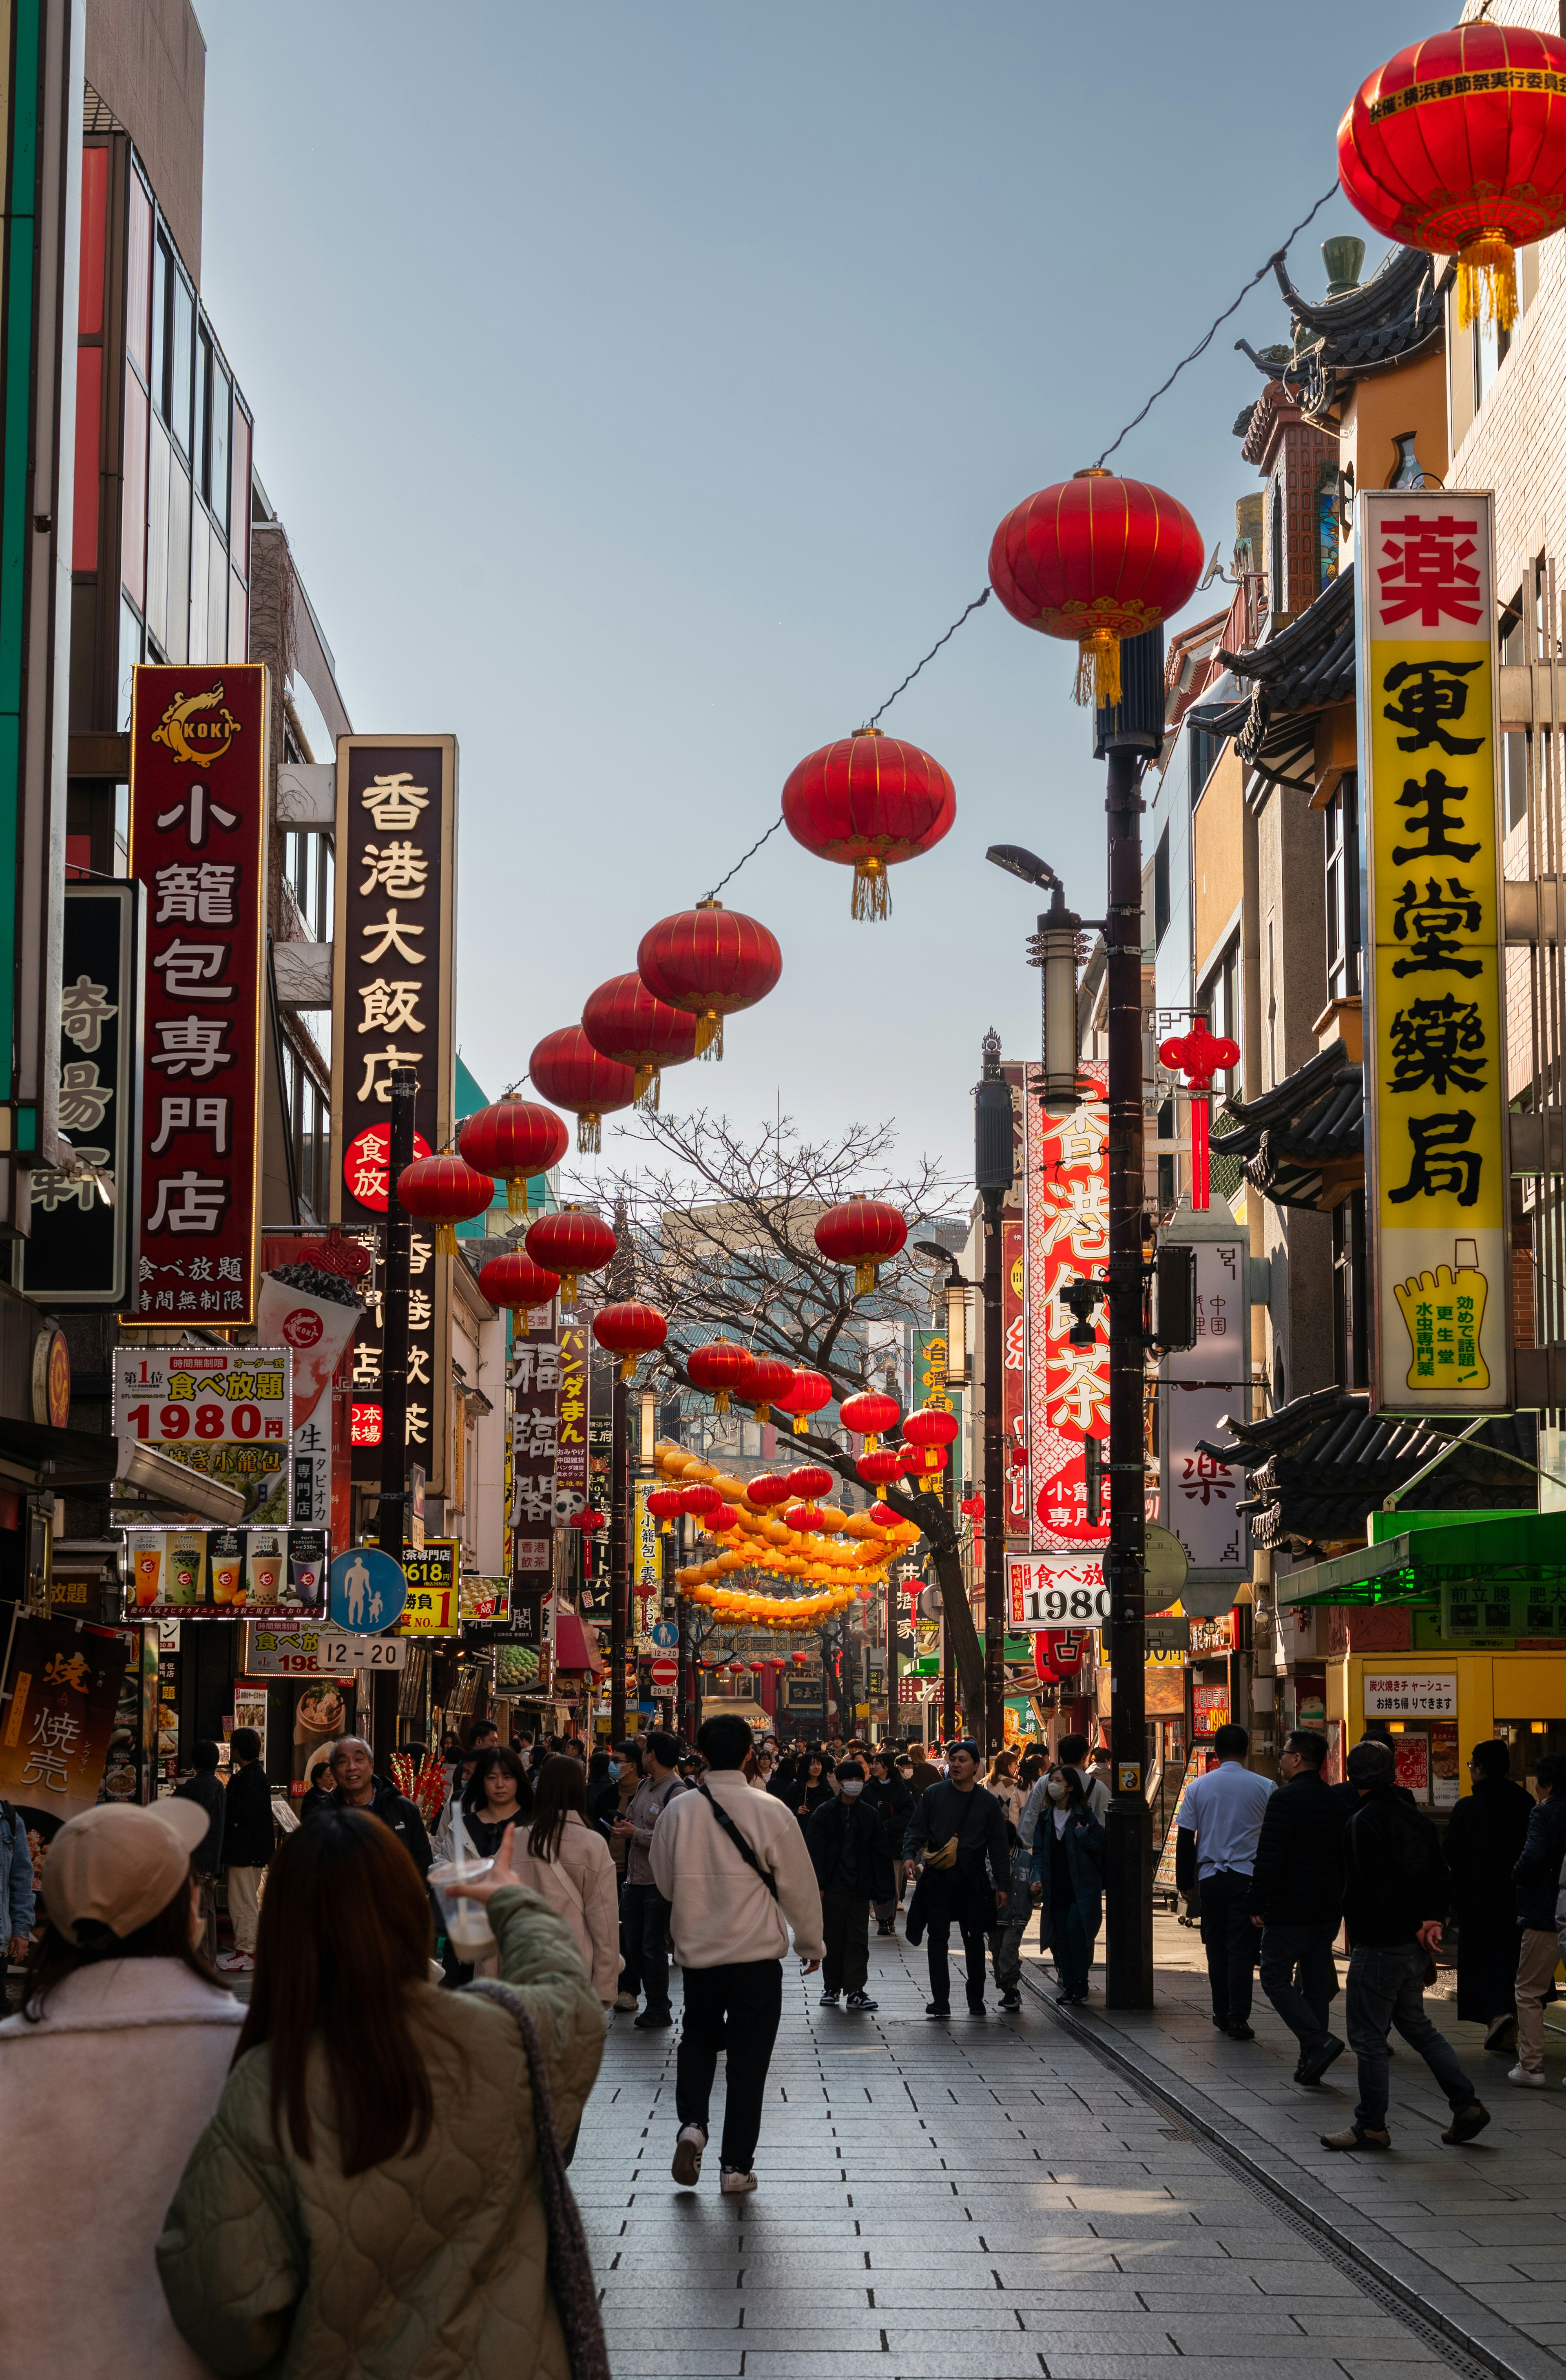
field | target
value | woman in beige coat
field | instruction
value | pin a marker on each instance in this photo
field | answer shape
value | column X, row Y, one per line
column 566, row 1862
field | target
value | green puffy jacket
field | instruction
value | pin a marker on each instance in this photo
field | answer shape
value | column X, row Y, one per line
column 434, row 2265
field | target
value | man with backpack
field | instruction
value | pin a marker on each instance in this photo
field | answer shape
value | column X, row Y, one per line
column 1394, row 1899
column 733, row 1867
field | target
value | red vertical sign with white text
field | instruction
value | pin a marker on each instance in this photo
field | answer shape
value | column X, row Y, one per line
column 1068, row 1239
column 1013, row 1377
column 198, row 843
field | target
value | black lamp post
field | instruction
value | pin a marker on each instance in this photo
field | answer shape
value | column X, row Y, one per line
column 993, row 1177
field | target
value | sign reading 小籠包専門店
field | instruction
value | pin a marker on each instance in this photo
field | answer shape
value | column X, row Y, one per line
column 393, row 1006
column 1435, row 1070
column 198, row 843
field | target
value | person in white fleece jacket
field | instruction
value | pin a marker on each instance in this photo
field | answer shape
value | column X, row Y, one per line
column 730, row 1917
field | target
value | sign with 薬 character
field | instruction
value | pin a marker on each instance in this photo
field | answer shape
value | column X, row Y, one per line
column 198, row 843
column 393, row 1006
column 1067, row 1194
column 223, row 1411
column 1434, row 1072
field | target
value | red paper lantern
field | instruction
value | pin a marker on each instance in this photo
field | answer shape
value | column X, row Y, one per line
column 514, row 1139
column 930, row 1425
column 767, row 1489
column 870, row 1415
column 883, row 1517
column 711, row 962
column 568, row 1070
column 515, row 1279
column 717, row 1369
column 811, row 1479
column 700, row 1500
column 570, row 1243
column 810, row 1392
column 1455, row 146
column 768, row 1378
column 924, row 1464
column 1043, row 1668
column 1019, row 1458
column 1095, row 559
column 869, row 801
column 806, row 1516
column 863, row 1233
column 629, row 1330
column 880, row 1470
column 625, row 1022
column 665, row 1504
column 444, row 1191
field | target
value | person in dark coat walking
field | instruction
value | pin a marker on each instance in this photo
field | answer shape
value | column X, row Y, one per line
column 202, row 1788
column 893, row 1796
column 1537, row 1877
column 1296, row 1899
column 961, row 1830
column 1067, row 1879
column 847, row 1843
column 1484, row 1841
column 249, row 1831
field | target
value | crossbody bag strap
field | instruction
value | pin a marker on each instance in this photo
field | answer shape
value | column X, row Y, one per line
column 734, row 1835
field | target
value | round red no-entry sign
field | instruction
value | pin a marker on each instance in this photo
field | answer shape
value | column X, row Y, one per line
column 663, row 1672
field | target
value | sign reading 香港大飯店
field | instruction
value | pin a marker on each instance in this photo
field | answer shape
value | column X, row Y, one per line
column 1435, row 1067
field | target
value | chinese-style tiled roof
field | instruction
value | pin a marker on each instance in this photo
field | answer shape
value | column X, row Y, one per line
column 1302, row 1143
column 1388, row 320
column 1318, row 1467
column 1297, row 672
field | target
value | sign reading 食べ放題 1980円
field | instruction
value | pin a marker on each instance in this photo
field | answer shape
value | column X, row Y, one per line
column 1435, row 1068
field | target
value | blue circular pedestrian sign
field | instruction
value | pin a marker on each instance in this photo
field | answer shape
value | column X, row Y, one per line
column 664, row 1634
column 367, row 1591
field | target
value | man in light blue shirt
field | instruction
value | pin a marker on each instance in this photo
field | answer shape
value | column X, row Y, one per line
column 1220, row 1825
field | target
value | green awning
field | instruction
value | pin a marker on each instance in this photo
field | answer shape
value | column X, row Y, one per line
column 1497, row 1549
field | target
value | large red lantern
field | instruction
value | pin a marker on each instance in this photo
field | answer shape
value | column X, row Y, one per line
column 879, row 1470
column 924, row 1464
column 570, row 1243
column 700, row 1500
column 625, row 1022
column 512, row 1140
column 767, row 1489
column 930, row 1425
column 862, row 1233
column 711, row 962
column 806, row 1516
column 665, row 1504
column 767, row 1377
column 869, row 801
column 717, row 1370
column 868, row 1416
column 630, row 1330
column 810, row 1479
column 1095, row 559
column 444, row 1191
column 1455, row 146
column 567, row 1069
column 515, row 1279
column 810, row 1392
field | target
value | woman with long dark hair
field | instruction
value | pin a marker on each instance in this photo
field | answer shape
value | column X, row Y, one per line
column 812, row 1786
column 566, row 1862
column 369, row 2185
column 125, row 2036
column 497, row 1795
column 1068, row 1880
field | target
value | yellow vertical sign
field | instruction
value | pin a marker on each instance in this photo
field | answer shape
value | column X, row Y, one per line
column 1435, row 1064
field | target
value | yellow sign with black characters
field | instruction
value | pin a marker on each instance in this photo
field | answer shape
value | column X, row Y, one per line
column 1435, row 1063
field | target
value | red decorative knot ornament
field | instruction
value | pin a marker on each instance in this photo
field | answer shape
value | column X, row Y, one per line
column 767, row 1489
column 810, row 1392
column 629, row 1330
column 869, row 801
column 514, row 1280
column 1456, row 146
column 1095, row 559
column 586, row 1520
column 711, row 962
column 348, row 1260
column 665, row 1504
column 717, row 1370
column 869, row 1414
column 863, row 1233
column 700, row 1501
column 879, row 1470
column 972, row 1508
column 624, row 1020
column 444, row 1191
column 810, row 1479
column 768, row 1378
column 513, row 1140
column 1199, row 1055
column 930, row 1425
column 570, row 1243
column 568, row 1070
column 1019, row 1458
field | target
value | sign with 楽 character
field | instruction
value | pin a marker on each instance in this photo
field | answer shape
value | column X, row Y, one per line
column 1067, row 1194
column 1203, row 1383
column 1434, row 1072
column 198, row 825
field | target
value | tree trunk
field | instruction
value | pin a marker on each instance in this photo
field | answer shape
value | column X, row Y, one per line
column 961, row 1633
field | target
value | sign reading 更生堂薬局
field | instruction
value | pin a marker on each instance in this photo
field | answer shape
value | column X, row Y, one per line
column 1435, row 1068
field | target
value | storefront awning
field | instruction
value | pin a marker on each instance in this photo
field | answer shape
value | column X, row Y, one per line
column 34, row 1455
column 1495, row 1549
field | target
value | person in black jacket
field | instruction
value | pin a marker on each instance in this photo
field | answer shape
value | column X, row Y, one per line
column 1537, row 1877
column 1394, row 1898
column 1484, row 1841
column 893, row 1796
column 249, row 1834
column 846, row 1841
column 1296, row 1898
column 202, row 1788
column 356, row 1786
column 962, row 1831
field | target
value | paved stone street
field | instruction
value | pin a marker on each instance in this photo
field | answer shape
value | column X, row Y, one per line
column 985, row 2199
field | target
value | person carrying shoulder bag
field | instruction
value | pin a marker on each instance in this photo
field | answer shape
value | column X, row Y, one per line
column 959, row 1831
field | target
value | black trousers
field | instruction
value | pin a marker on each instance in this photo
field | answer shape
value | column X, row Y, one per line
column 1232, row 1943
column 846, row 1924
column 644, row 1923
column 937, row 1940
column 740, row 2007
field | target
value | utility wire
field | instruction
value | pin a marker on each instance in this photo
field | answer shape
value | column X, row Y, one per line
column 918, row 665
column 749, row 855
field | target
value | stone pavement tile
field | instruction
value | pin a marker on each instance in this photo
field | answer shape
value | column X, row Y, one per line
column 638, row 2359
column 1064, row 2364
column 924, row 2359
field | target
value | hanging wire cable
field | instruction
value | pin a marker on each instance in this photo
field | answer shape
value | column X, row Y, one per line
column 1206, row 341
column 749, row 855
column 918, row 665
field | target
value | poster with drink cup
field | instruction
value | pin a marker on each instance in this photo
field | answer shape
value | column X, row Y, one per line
column 223, row 1574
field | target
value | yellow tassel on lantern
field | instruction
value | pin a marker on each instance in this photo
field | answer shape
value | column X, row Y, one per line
column 1097, row 670
column 589, row 1133
column 647, row 1085
column 568, row 1281
column 710, row 1035
column 1486, row 281
column 872, row 889
column 801, row 1424
column 628, row 1366
column 445, row 1240
column 721, row 1401
column 864, row 1280
column 517, row 1194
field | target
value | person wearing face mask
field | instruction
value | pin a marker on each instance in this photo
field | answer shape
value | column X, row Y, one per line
column 888, row 1789
column 846, row 1838
column 1068, row 1880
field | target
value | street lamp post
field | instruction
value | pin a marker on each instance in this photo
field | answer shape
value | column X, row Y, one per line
column 993, row 1176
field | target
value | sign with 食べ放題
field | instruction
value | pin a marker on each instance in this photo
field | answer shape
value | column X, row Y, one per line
column 1435, row 1067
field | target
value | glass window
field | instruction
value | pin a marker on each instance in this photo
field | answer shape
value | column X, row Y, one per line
column 1220, row 1003
column 182, row 329
column 129, row 655
column 87, row 501
column 200, row 454
column 158, row 375
column 1161, row 888
column 238, row 620
column 133, row 508
column 159, row 464
column 196, row 649
column 218, row 600
column 218, row 442
column 177, row 642
column 1341, row 820
column 139, row 273
column 240, row 505
column 94, row 207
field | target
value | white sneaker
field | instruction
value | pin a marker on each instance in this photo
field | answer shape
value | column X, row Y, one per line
column 1530, row 2078
column 236, row 1962
column 626, row 2000
column 734, row 2184
column 687, row 2167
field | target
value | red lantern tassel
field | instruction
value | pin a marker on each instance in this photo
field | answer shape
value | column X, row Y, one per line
column 1486, row 281
column 710, row 1035
column 872, row 889
column 1097, row 670
column 589, row 1133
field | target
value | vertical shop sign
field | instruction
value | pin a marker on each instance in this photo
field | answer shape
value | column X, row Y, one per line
column 932, row 1389
column 83, row 1214
column 571, row 1469
column 393, row 1006
column 1068, row 1239
column 198, row 843
column 1200, row 1494
column 62, row 1694
column 535, row 1425
column 1435, row 1067
column 1014, row 1374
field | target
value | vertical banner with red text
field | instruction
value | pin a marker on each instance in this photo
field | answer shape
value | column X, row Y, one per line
column 1013, row 1376
column 1068, row 1239
column 198, row 843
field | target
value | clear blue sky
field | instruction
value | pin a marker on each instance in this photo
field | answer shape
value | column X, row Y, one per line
column 641, row 387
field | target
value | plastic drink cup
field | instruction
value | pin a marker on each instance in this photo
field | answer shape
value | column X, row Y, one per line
column 467, row 1921
column 149, row 1570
